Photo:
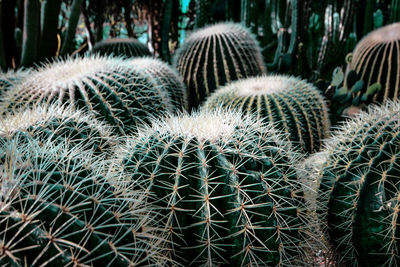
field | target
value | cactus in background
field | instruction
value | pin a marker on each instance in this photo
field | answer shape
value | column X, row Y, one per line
column 227, row 186
column 293, row 105
column 216, row 55
column 128, row 47
column 166, row 77
column 54, row 123
column 110, row 87
column 376, row 59
column 358, row 198
column 58, row 209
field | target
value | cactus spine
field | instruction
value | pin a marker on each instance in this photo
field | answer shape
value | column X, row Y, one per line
column 293, row 105
column 128, row 47
column 358, row 198
column 216, row 55
column 226, row 185
column 10, row 79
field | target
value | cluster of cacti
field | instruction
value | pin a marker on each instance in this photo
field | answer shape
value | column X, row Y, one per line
column 358, row 197
column 109, row 87
column 293, row 105
column 227, row 186
column 376, row 59
column 216, row 55
column 127, row 47
column 58, row 208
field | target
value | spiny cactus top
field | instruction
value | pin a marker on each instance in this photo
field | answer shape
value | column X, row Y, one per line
column 128, row 47
column 54, row 123
column 109, row 87
column 58, row 208
column 295, row 106
column 167, row 77
column 376, row 58
column 216, row 55
column 359, row 195
column 226, row 185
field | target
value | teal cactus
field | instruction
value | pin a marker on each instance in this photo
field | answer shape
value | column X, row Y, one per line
column 376, row 60
column 109, row 87
column 167, row 77
column 295, row 106
column 216, row 55
column 54, row 123
column 358, row 197
column 128, row 47
column 227, row 186
column 59, row 208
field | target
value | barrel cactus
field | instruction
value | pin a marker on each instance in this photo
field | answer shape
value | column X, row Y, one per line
column 109, row 87
column 358, row 197
column 376, row 59
column 227, row 186
column 128, row 47
column 295, row 106
column 167, row 77
column 10, row 79
column 216, row 55
column 58, row 209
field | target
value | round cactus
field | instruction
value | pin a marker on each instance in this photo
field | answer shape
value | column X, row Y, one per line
column 58, row 209
column 166, row 77
column 295, row 106
column 216, row 55
column 376, row 58
column 127, row 47
column 109, row 87
column 10, row 79
column 359, row 192
column 54, row 123
column 226, row 185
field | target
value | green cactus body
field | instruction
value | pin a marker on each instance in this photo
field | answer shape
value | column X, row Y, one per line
column 109, row 87
column 216, row 55
column 376, row 58
column 10, row 79
column 127, row 47
column 54, row 123
column 166, row 77
column 359, row 194
column 226, row 185
column 58, row 209
column 293, row 105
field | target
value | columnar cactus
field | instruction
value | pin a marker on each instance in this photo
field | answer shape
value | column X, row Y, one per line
column 128, row 47
column 376, row 58
column 58, row 209
column 54, row 123
column 295, row 106
column 359, row 193
column 109, row 87
column 216, row 55
column 166, row 77
column 227, row 186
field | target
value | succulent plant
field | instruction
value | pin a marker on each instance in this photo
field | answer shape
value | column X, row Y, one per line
column 167, row 77
column 215, row 55
column 109, row 87
column 358, row 197
column 54, row 123
column 128, row 47
column 58, row 208
column 293, row 105
column 376, row 58
column 10, row 79
column 227, row 186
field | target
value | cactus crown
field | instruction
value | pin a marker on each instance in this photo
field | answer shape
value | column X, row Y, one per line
column 128, row 47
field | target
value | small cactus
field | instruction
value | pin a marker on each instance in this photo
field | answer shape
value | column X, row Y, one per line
column 226, row 185
column 127, row 47
column 293, row 105
column 376, row 59
column 359, row 192
column 58, row 208
column 109, row 87
column 216, row 55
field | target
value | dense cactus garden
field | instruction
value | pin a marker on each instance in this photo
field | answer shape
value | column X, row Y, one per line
column 199, row 133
